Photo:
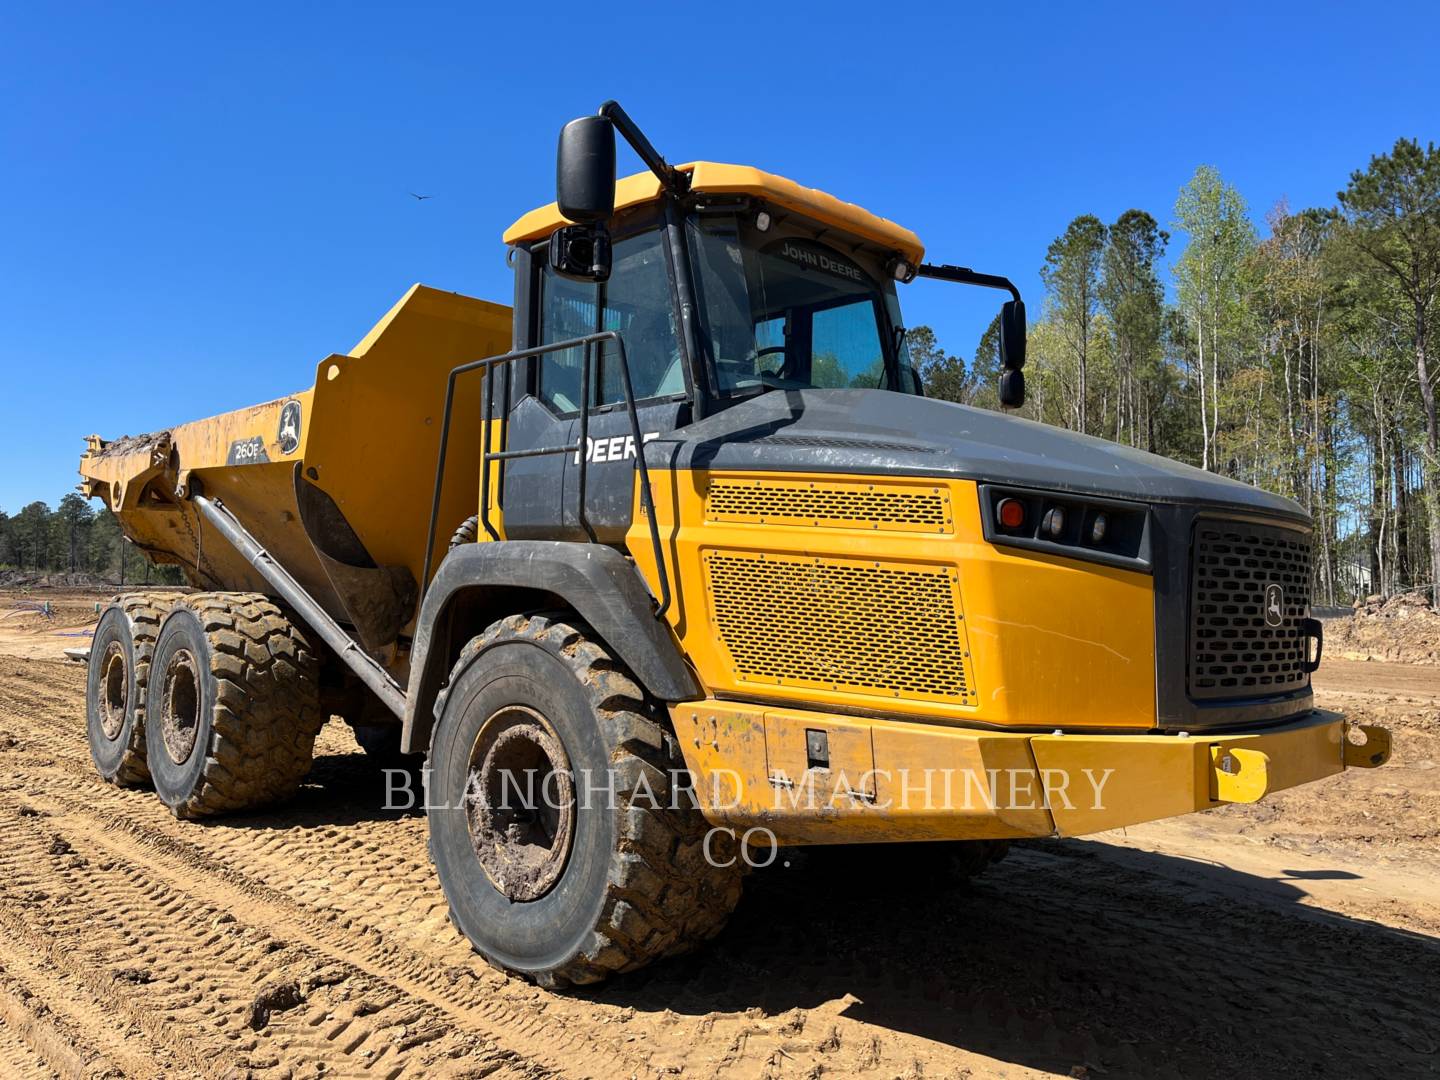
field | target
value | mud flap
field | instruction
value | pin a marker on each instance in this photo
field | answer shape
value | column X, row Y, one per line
column 379, row 600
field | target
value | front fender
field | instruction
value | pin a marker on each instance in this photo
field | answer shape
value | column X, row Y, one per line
column 488, row 580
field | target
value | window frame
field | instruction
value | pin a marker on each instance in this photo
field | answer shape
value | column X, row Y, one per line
column 786, row 222
column 652, row 221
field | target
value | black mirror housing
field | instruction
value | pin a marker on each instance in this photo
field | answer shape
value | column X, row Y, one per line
column 585, row 170
column 1012, row 336
column 1012, row 388
column 581, row 252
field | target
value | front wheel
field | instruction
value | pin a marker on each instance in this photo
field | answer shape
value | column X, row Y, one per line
column 561, row 824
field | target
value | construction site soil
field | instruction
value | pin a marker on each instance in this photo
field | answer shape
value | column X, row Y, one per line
column 1295, row 937
column 1403, row 628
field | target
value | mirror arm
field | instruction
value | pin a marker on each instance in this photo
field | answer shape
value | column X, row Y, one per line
column 676, row 182
column 965, row 276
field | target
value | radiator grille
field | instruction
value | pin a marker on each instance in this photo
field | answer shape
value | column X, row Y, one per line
column 830, row 505
column 887, row 629
column 1234, row 650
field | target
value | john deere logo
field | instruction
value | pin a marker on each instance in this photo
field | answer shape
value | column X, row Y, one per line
column 1274, row 605
column 289, row 435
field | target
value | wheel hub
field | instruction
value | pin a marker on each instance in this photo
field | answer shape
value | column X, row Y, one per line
column 520, row 803
column 180, row 713
column 114, row 689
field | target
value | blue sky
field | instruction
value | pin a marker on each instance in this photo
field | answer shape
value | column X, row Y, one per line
column 196, row 204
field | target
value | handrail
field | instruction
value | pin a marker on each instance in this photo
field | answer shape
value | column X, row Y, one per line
column 578, row 448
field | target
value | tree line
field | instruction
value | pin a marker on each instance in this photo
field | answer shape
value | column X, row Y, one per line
column 1301, row 360
column 75, row 538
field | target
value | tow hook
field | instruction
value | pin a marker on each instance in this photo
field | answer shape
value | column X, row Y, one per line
column 1370, row 754
column 1238, row 774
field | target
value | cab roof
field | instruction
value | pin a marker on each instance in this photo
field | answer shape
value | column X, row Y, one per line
column 720, row 179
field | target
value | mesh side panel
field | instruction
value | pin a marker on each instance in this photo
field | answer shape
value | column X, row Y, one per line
column 1234, row 650
column 834, row 505
column 885, row 629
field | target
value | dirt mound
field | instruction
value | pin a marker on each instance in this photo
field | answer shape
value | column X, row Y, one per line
column 1402, row 628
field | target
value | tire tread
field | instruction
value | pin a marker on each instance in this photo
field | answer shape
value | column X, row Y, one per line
column 266, row 713
column 663, row 898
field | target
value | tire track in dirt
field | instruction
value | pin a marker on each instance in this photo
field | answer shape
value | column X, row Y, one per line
column 165, row 962
column 29, row 1046
column 369, row 901
column 1062, row 956
column 17, row 1061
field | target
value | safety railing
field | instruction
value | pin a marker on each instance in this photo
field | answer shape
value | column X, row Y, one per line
column 490, row 366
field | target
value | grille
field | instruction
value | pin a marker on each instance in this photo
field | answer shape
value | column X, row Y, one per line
column 832, row 505
column 1234, row 652
column 887, row 629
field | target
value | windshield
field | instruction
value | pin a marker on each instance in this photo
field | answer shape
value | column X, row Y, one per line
column 785, row 311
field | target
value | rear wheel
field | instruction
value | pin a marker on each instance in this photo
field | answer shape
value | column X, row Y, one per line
column 564, row 839
column 116, row 682
column 467, row 533
column 232, row 705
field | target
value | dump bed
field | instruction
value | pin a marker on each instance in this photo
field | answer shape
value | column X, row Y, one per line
column 336, row 480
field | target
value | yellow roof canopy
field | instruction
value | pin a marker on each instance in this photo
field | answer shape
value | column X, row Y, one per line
column 710, row 176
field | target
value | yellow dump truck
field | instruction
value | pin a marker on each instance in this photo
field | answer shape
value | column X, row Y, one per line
column 673, row 563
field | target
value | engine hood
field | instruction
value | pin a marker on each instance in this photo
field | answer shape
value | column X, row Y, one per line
column 880, row 432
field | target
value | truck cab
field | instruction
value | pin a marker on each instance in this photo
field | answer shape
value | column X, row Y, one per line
column 755, row 285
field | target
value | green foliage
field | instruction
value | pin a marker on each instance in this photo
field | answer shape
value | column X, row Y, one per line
column 1072, row 285
column 1302, row 362
column 74, row 538
column 942, row 374
column 1134, row 302
column 1393, row 210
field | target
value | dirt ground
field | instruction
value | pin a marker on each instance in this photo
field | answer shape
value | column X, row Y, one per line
column 1296, row 937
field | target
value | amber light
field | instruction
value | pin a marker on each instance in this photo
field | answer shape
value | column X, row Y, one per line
column 1011, row 513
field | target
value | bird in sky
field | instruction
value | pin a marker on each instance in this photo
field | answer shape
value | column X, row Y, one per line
column 419, row 198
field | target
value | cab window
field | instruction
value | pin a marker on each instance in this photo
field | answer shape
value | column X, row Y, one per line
column 636, row 301
column 784, row 311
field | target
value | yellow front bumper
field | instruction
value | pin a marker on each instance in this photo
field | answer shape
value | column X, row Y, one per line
column 811, row 777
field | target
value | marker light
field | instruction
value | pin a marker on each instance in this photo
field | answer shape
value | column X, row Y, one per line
column 1011, row 513
column 1097, row 530
column 762, row 221
column 1054, row 522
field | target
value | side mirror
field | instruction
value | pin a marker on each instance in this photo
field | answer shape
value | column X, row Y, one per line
column 1012, row 354
column 1012, row 335
column 585, row 170
column 585, row 193
column 1012, row 389
column 581, row 252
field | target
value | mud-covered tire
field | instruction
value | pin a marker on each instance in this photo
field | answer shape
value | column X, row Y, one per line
column 116, row 680
column 467, row 533
column 636, row 883
column 232, row 707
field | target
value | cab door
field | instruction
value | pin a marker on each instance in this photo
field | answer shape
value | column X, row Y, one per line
column 541, row 495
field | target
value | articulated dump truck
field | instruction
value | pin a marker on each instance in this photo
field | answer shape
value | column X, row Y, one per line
column 673, row 564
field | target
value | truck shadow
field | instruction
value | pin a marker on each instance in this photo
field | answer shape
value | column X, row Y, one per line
column 1069, row 953
column 1065, row 955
